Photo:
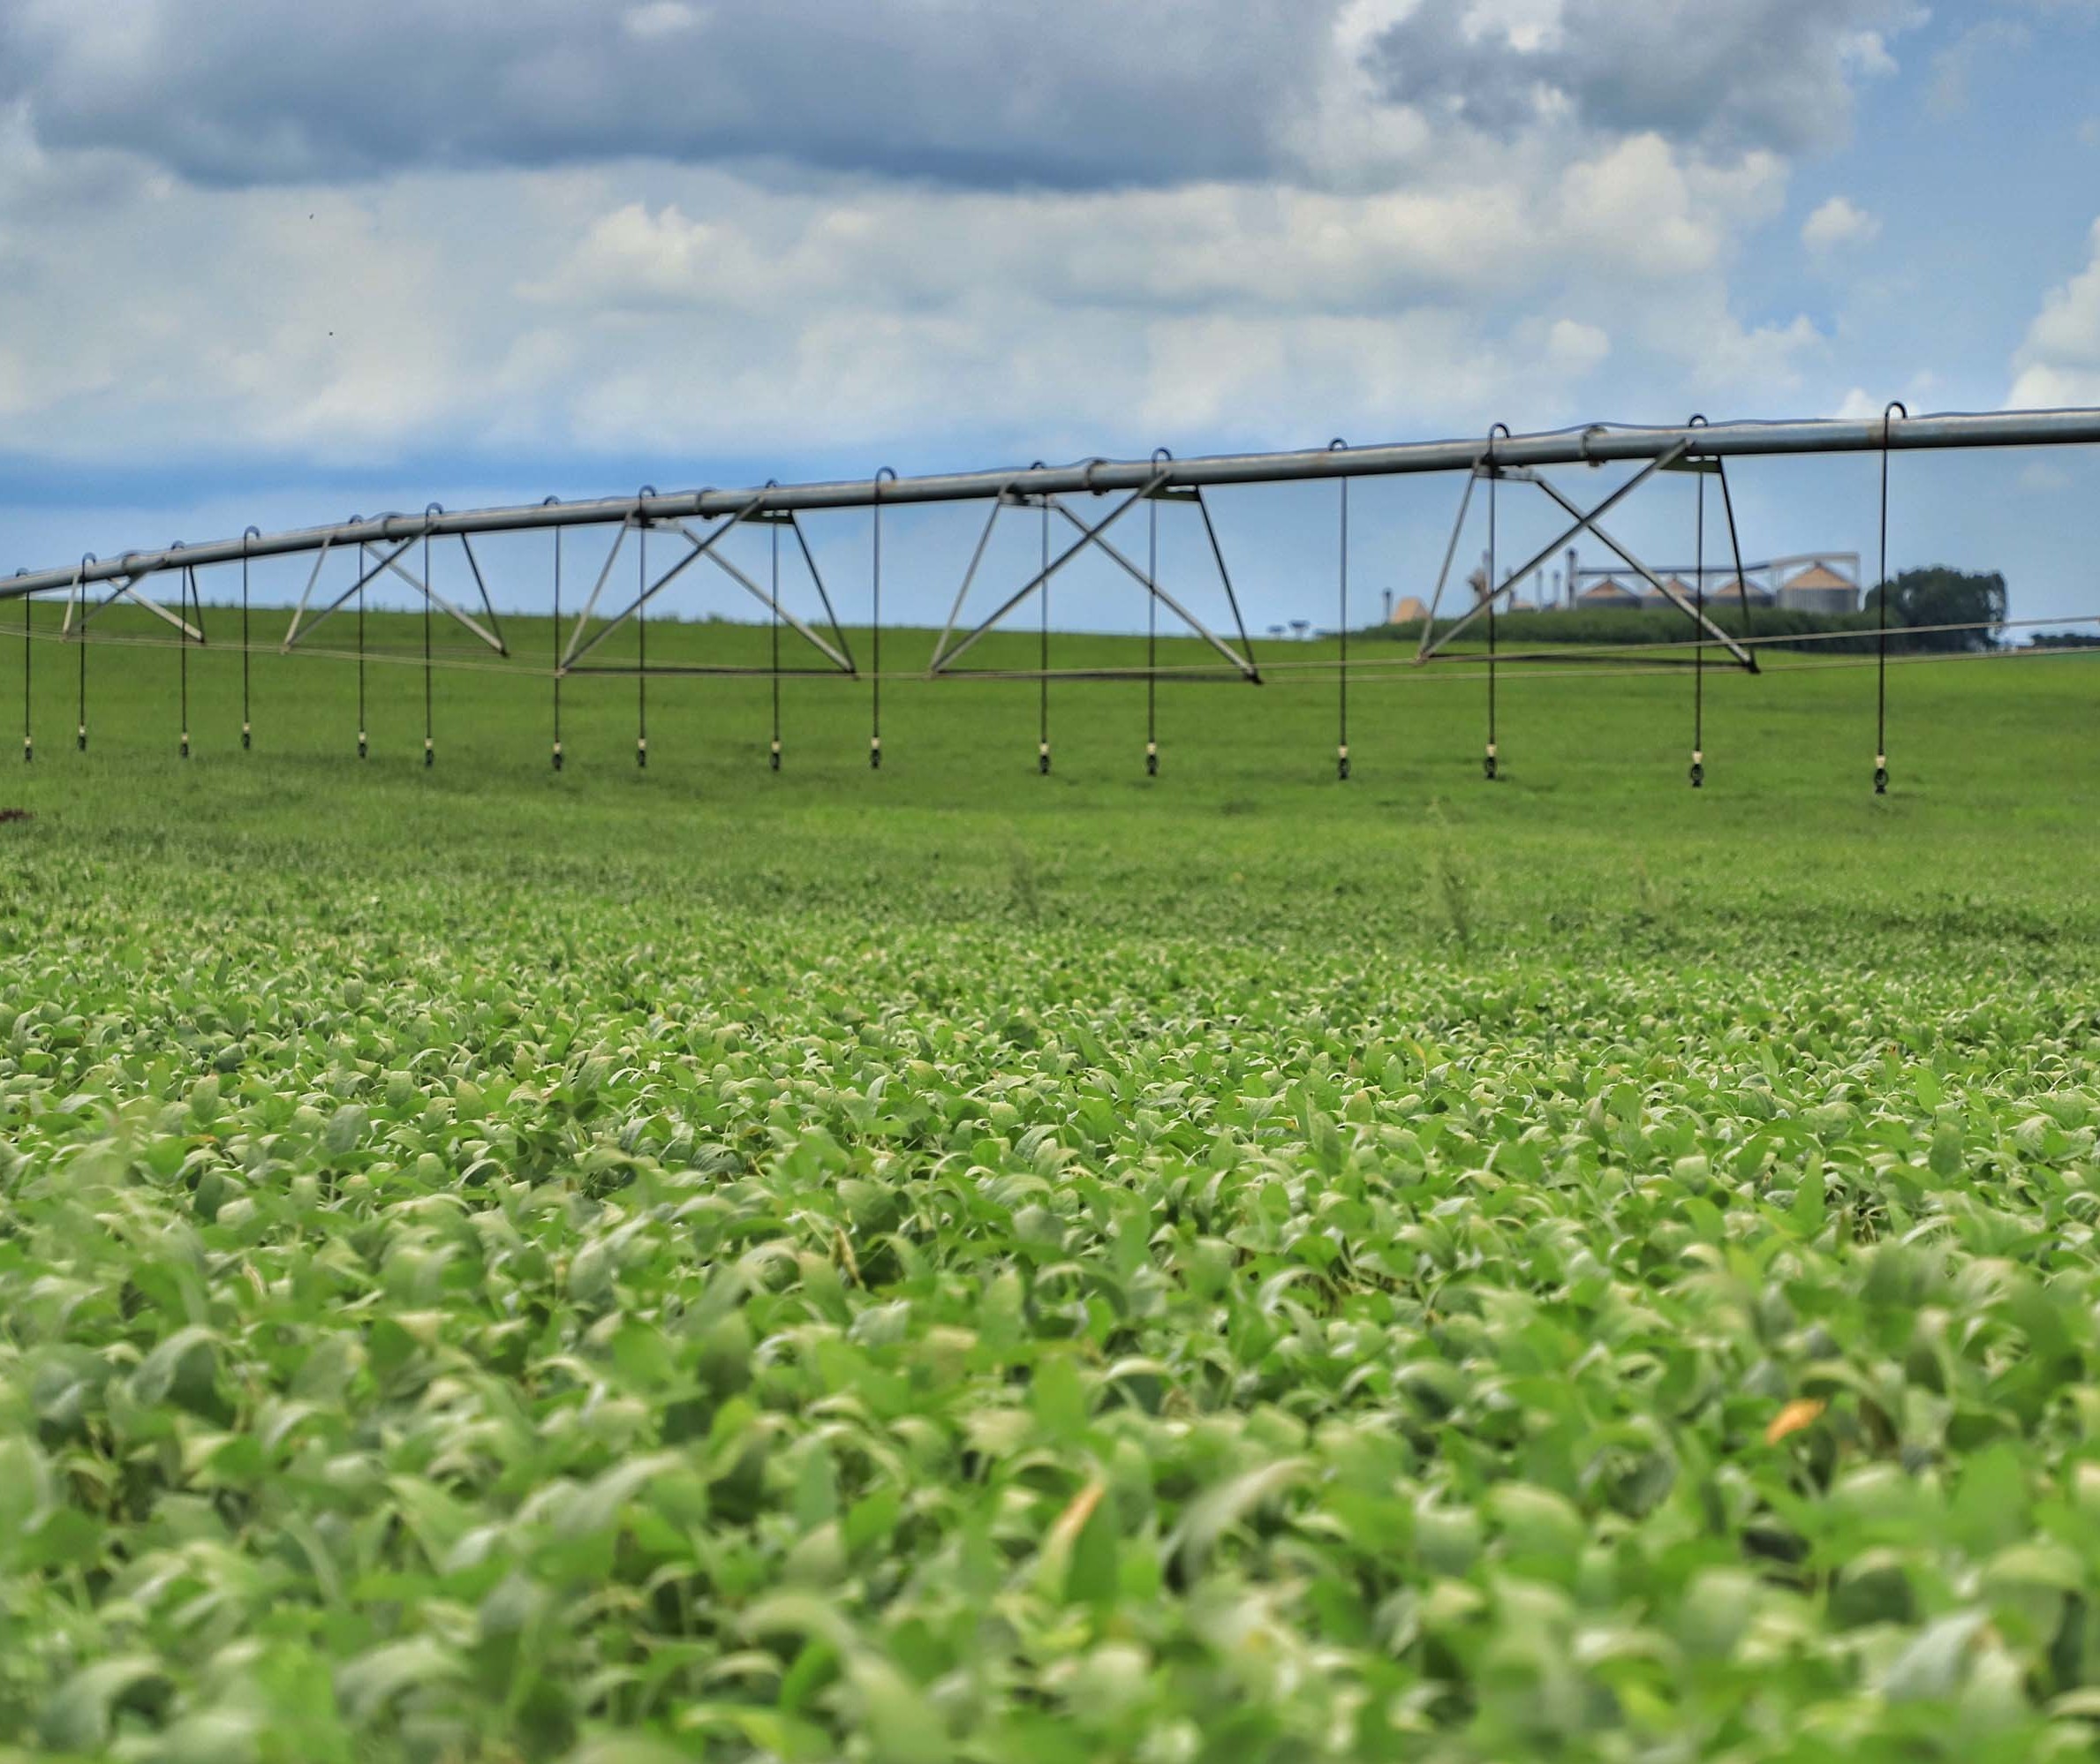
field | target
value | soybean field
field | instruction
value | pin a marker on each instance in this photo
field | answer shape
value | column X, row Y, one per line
column 622, row 1265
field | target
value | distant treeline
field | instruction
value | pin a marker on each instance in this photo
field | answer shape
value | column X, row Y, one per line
column 1921, row 603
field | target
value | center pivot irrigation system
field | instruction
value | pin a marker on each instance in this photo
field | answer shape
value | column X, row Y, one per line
column 387, row 545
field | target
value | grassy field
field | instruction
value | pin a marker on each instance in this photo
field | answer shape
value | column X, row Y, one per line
column 949, row 1263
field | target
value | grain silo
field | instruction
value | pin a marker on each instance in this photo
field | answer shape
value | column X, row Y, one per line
column 1818, row 589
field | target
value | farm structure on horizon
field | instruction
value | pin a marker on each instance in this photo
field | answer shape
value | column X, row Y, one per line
column 1807, row 582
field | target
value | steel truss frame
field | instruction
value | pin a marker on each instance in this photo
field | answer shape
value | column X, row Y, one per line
column 301, row 627
column 381, row 545
column 1680, row 458
column 949, row 648
column 75, row 629
column 837, row 652
column 1598, row 444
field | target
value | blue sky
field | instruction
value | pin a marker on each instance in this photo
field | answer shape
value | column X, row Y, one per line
column 260, row 266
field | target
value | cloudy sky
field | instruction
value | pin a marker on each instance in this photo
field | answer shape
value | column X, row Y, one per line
column 268, row 262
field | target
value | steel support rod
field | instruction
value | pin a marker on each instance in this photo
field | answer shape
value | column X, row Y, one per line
column 1493, row 592
column 379, row 569
column 1153, row 588
column 701, row 548
column 1600, row 444
column 1087, row 536
column 1696, row 613
column 840, row 662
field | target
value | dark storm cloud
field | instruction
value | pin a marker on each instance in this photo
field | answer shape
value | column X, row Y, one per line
column 1086, row 93
column 1746, row 73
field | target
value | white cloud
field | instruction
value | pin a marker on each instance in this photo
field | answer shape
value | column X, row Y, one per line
column 2059, row 363
column 1838, row 222
column 1576, row 347
column 1770, row 73
column 1371, row 266
column 662, row 18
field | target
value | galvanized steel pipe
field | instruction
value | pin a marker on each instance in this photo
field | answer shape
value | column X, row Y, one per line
column 1598, row 444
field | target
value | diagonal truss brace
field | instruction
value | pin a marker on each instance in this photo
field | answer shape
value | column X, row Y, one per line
column 299, row 630
column 301, row 627
column 1583, row 521
column 701, row 548
column 126, row 589
column 839, row 656
column 1240, row 659
column 1743, row 656
column 703, row 545
column 947, row 653
column 949, row 648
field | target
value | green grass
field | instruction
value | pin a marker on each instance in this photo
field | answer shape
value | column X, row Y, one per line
column 949, row 1263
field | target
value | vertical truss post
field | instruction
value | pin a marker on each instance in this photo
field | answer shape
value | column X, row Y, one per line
column 976, row 557
column 1232, row 598
column 1423, row 649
